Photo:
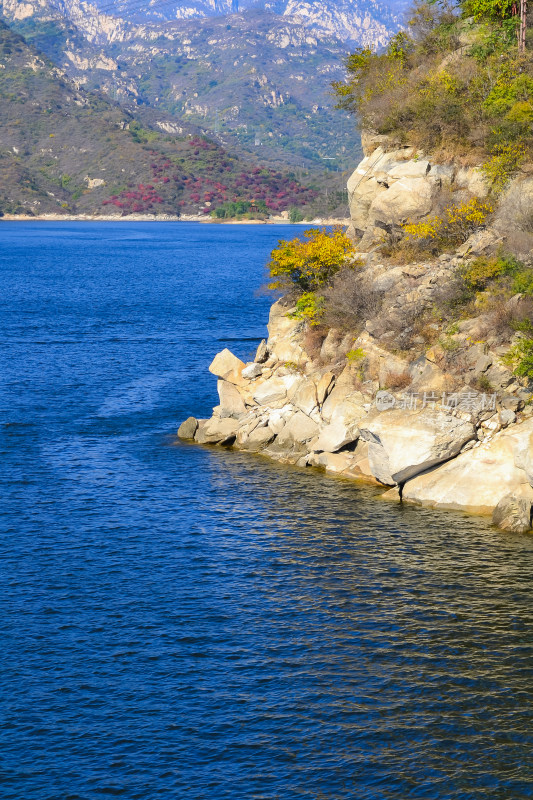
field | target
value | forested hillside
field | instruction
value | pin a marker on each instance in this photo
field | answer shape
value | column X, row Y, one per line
column 69, row 151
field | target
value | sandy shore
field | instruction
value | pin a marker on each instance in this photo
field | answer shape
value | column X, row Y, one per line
column 165, row 218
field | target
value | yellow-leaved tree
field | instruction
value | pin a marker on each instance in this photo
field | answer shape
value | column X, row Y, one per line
column 310, row 263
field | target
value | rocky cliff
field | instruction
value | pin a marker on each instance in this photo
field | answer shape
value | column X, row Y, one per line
column 449, row 425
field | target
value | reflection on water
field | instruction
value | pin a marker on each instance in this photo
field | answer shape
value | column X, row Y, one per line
column 192, row 622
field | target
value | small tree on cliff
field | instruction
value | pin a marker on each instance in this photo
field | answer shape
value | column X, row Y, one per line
column 308, row 264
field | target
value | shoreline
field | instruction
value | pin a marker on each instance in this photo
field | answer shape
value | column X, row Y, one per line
column 204, row 220
column 472, row 455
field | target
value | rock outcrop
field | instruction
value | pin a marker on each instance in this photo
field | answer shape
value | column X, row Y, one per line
column 301, row 412
column 394, row 185
column 460, row 434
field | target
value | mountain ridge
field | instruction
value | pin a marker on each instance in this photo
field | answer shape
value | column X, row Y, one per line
column 253, row 79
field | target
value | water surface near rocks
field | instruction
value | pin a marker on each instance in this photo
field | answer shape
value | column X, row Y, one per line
column 186, row 622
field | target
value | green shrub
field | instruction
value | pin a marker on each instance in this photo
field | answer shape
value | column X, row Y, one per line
column 506, row 160
column 520, row 357
column 355, row 356
column 480, row 272
column 425, row 91
column 309, row 307
column 295, row 215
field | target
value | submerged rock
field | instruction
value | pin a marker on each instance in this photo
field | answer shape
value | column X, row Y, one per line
column 513, row 513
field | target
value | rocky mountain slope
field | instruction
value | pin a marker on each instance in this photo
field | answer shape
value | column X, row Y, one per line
column 347, row 20
column 67, row 151
column 258, row 79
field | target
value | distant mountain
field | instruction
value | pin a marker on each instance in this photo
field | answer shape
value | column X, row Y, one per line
column 258, row 80
column 366, row 22
column 63, row 150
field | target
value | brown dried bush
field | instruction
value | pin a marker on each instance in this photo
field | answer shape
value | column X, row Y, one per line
column 398, row 380
column 313, row 340
column 351, row 301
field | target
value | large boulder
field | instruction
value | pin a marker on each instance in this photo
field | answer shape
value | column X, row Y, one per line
column 284, row 335
column 404, row 443
column 257, row 439
column 475, row 481
column 274, row 389
column 231, row 401
column 354, row 465
column 513, row 513
column 216, row 431
column 407, row 199
column 303, row 395
column 300, row 428
column 335, row 436
column 252, row 371
column 227, row 366
column 188, row 428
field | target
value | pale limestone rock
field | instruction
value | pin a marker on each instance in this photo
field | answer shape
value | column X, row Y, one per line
column 442, row 172
column 331, row 462
column 231, row 401
column 472, row 180
column 486, row 241
column 187, row 429
column 283, row 335
column 216, row 431
column 407, row 199
column 344, row 405
column 276, row 421
column 385, row 281
column 335, row 436
column 257, row 440
column 380, row 363
column 227, row 366
column 303, row 396
column 251, row 371
column 262, row 352
column 299, row 428
column 353, row 465
column 274, row 389
column 410, row 169
column 429, row 377
column 523, row 451
column 404, row 443
column 331, row 346
column 324, row 386
column 475, row 481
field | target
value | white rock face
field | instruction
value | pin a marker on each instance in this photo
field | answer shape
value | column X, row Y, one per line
column 391, row 187
column 475, row 481
column 283, row 335
column 273, row 390
column 300, row 428
column 401, row 444
column 303, row 396
column 216, row 431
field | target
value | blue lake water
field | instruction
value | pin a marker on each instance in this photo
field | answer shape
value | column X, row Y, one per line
column 186, row 622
